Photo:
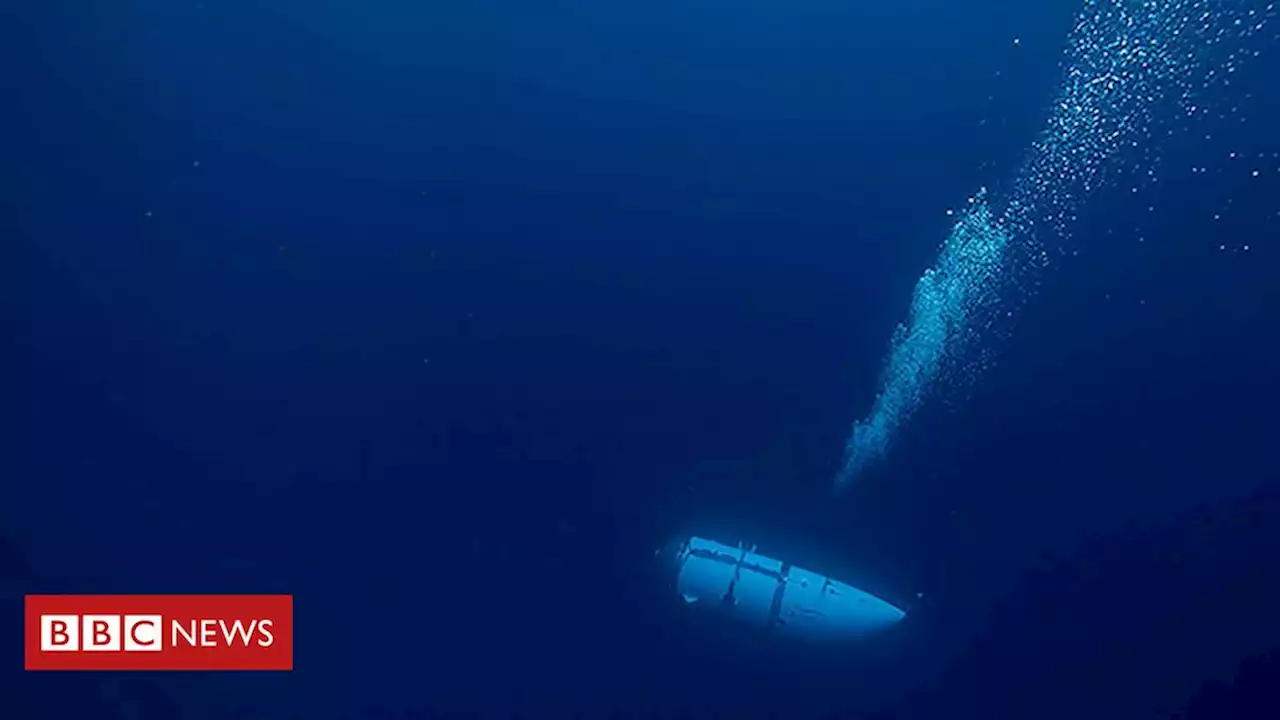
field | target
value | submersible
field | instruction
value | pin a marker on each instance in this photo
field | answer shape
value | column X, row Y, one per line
column 773, row 594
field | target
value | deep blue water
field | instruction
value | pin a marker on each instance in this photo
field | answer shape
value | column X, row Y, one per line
column 450, row 314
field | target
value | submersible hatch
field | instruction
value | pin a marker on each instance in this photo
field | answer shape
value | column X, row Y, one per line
column 773, row 594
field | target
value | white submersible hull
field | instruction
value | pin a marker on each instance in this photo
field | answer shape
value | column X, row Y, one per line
column 775, row 594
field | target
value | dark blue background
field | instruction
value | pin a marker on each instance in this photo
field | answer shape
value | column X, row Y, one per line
column 442, row 317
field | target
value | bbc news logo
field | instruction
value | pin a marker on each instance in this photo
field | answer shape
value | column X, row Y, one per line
column 159, row 632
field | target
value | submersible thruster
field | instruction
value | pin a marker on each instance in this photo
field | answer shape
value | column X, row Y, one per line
column 773, row 594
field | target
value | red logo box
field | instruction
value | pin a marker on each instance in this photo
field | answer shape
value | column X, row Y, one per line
column 159, row 632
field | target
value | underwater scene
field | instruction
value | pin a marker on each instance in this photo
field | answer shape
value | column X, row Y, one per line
column 678, row 358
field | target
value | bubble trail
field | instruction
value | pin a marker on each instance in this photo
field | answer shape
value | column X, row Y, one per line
column 1125, row 61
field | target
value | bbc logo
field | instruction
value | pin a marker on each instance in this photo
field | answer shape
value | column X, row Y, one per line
column 158, row 632
column 101, row 633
